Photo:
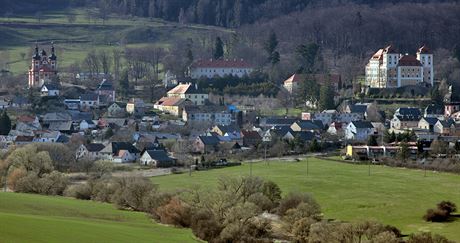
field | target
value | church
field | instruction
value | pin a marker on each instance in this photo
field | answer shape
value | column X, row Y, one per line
column 43, row 69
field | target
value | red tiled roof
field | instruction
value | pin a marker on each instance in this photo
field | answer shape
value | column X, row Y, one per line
column 409, row 60
column 180, row 89
column 221, row 63
column 250, row 134
column 378, row 55
column 424, row 50
column 170, row 101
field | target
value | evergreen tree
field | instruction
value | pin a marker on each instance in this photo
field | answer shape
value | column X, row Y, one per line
column 307, row 54
column 326, row 97
column 404, row 151
column 5, row 123
column 372, row 141
column 123, row 83
column 270, row 47
column 218, row 49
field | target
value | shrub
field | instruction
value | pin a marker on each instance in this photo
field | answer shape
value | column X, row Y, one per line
column 292, row 200
column 427, row 238
column 436, row 215
column 205, row 226
column 49, row 184
column 447, row 206
column 131, row 192
column 82, row 192
column 175, row 212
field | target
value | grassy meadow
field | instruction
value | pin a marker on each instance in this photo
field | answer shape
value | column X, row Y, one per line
column 35, row 218
column 395, row 196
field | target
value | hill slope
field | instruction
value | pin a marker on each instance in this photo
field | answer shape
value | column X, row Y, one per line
column 34, row 218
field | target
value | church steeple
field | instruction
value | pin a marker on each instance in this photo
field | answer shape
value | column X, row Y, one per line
column 53, row 55
column 36, row 55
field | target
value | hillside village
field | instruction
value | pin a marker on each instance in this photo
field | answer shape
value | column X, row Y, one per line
column 107, row 128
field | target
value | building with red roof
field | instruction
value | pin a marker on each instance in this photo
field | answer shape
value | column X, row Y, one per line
column 220, row 68
column 389, row 69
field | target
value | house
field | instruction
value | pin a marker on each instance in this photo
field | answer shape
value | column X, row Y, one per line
column 337, row 128
column 72, row 104
column 305, row 136
column 433, row 110
column 4, row 104
column 62, row 126
column 156, row 158
column 329, row 116
column 219, row 68
column 445, row 127
column 116, row 109
column 90, row 151
column 190, row 92
column 20, row 101
column 306, row 126
column 172, row 105
column 120, row 152
column 89, row 101
column 47, row 136
column 135, row 106
column 293, row 83
column 207, row 114
column 359, row 108
column 268, row 122
column 56, row 117
column 106, row 89
column 50, row 90
column 206, row 144
column 22, row 140
column 251, row 138
column 427, row 123
column 359, row 130
column 221, row 130
column 406, row 118
column 86, row 124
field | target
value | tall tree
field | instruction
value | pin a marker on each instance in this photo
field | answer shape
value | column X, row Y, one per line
column 218, row 49
column 307, row 54
column 123, row 83
column 270, row 48
column 5, row 123
column 326, row 97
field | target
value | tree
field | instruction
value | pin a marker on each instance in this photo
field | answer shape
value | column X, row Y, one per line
column 372, row 141
column 5, row 123
column 326, row 97
column 270, row 48
column 457, row 52
column 389, row 137
column 218, row 49
column 308, row 54
column 438, row 147
column 404, row 151
column 123, row 83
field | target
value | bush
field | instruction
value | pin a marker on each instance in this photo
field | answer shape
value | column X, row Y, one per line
column 427, row 238
column 175, row 212
column 447, row 206
column 131, row 192
column 292, row 200
column 49, row 184
column 205, row 226
column 82, row 192
column 436, row 215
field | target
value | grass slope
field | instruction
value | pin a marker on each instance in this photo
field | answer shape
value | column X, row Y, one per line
column 393, row 196
column 35, row 218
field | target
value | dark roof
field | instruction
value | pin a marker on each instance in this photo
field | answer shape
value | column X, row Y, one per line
column 408, row 114
column 279, row 121
column 159, row 155
column 362, row 124
column 431, row 120
column 304, row 135
column 358, row 108
column 424, row 50
column 221, row 63
column 95, row 147
column 228, row 128
column 105, row 85
column 447, row 123
column 209, row 140
column 24, row 139
column 308, row 125
column 434, row 109
column 280, row 131
column 51, row 86
column 117, row 146
column 63, row 139
column 250, row 134
column 90, row 96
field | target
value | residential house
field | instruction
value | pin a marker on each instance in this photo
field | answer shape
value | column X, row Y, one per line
column 20, row 101
column 337, row 128
column 50, row 90
column 406, row 118
column 4, row 104
column 116, row 109
column 206, row 144
column 47, row 136
column 172, row 105
column 56, row 117
column 156, row 158
column 293, row 83
column 23, row 140
column 89, row 101
column 268, row 122
column 221, row 130
column 135, row 106
column 86, row 125
column 219, row 68
column 329, row 116
column 359, row 130
column 90, row 151
column 190, row 92
column 251, row 138
column 299, row 126
column 120, row 152
column 427, row 123
column 434, row 110
column 61, row 126
column 106, row 89
column 207, row 114
column 445, row 127
column 72, row 104
column 305, row 136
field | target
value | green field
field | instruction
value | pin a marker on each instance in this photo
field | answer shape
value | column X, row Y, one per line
column 34, row 218
column 395, row 196
column 74, row 40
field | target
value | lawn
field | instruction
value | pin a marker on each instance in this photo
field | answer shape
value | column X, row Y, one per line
column 35, row 218
column 393, row 196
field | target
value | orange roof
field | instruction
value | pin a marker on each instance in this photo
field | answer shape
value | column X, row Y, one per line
column 378, row 55
column 221, row 63
column 180, row 89
column 170, row 101
column 409, row 60
column 295, row 78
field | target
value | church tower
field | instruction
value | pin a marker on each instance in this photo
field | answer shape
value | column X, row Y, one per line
column 43, row 68
column 425, row 56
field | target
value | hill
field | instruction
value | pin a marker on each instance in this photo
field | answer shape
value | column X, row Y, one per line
column 395, row 196
column 34, row 218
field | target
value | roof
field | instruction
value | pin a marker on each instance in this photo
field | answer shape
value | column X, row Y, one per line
column 307, row 125
column 424, row 50
column 205, row 109
column 51, row 86
column 26, row 119
column 57, row 116
column 105, row 85
column 61, row 126
column 279, row 121
column 187, row 88
column 408, row 114
column 319, row 78
column 209, row 140
column 446, row 123
column 228, row 128
column 409, row 60
column 94, row 147
column 221, row 63
column 89, row 97
column 24, row 139
column 434, row 109
column 119, row 104
column 378, row 55
column 431, row 120
column 358, row 108
column 390, row 50
column 159, row 155
column 171, row 101
column 362, row 124
column 250, row 134
column 63, row 139
column 117, row 146
column 304, row 135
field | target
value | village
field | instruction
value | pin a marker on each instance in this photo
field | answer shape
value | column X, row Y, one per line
column 186, row 128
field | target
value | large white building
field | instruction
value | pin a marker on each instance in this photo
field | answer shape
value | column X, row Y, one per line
column 220, row 68
column 389, row 69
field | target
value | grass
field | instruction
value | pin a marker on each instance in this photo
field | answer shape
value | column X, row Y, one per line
column 395, row 196
column 35, row 218
column 74, row 40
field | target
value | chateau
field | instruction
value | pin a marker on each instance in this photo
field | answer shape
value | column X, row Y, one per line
column 389, row 69
column 43, row 68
